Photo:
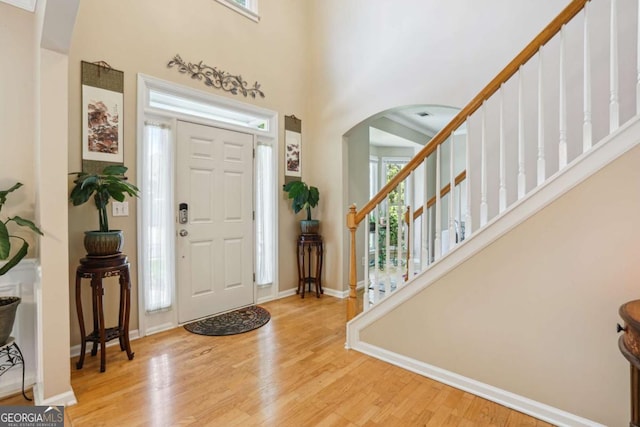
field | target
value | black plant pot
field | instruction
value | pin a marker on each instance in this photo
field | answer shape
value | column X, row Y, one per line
column 8, row 307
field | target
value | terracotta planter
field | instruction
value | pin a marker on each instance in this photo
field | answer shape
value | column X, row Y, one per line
column 8, row 307
column 103, row 243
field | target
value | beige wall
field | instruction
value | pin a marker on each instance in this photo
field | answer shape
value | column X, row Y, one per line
column 17, row 91
column 535, row 312
column 144, row 39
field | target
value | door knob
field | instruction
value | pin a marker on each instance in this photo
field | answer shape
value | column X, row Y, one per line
column 184, row 233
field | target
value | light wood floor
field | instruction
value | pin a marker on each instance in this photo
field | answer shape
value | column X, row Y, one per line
column 294, row 371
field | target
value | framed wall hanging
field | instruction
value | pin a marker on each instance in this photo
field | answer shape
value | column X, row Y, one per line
column 102, row 116
column 292, row 148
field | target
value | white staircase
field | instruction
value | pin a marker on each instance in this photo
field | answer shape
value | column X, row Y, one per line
column 545, row 129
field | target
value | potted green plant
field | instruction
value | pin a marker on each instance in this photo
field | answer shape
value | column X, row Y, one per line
column 9, row 305
column 111, row 183
column 304, row 197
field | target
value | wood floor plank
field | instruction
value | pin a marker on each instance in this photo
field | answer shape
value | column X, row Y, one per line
column 294, row 371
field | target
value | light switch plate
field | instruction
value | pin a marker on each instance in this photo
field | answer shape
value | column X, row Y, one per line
column 120, row 208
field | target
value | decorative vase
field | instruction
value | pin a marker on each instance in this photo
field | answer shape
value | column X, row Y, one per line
column 309, row 226
column 8, row 306
column 103, row 243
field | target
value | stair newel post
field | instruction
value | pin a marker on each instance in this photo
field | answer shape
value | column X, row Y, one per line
column 376, row 257
column 586, row 126
column 437, row 243
column 353, row 227
column 541, row 165
column 467, row 219
column 522, row 178
column 502, row 191
column 614, row 104
column 562, row 146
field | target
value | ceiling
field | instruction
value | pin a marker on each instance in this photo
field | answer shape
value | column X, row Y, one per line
column 425, row 119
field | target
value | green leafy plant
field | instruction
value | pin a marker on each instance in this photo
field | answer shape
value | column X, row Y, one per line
column 303, row 196
column 111, row 183
column 5, row 237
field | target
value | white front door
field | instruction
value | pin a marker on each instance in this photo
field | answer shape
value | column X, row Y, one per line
column 215, row 242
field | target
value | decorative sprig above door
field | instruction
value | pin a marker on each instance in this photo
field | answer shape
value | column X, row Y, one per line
column 218, row 79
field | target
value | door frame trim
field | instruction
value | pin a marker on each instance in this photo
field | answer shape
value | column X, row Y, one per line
column 149, row 323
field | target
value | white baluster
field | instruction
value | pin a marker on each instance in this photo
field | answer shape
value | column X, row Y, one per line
column 400, row 232
column 438, row 207
column 365, row 296
column 377, row 271
column 541, row 164
column 484, row 208
column 502, row 192
column 562, row 146
column 387, row 276
column 411, row 226
column 522, row 183
column 452, row 186
column 587, row 137
column 424, row 234
column 614, row 106
column 467, row 219
column 638, row 65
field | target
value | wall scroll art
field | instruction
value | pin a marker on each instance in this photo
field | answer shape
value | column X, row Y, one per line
column 292, row 146
column 102, row 116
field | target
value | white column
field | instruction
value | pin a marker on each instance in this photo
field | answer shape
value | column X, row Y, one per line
column 587, row 138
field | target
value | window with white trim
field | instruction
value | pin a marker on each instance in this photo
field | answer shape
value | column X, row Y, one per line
column 248, row 8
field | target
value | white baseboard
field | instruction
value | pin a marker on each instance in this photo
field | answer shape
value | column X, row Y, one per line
column 65, row 399
column 133, row 335
column 519, row 403
column 286, row 293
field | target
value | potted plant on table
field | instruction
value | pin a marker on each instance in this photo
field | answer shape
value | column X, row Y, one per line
column 304, row 197
column 111, row 183
column 8, row 305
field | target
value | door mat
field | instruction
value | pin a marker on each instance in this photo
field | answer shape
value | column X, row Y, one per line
column 235, row 322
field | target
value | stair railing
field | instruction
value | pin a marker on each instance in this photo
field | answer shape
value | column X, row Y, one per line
column 424, row 238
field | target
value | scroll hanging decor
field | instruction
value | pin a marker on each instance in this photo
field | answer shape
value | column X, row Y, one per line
column 218, row 79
